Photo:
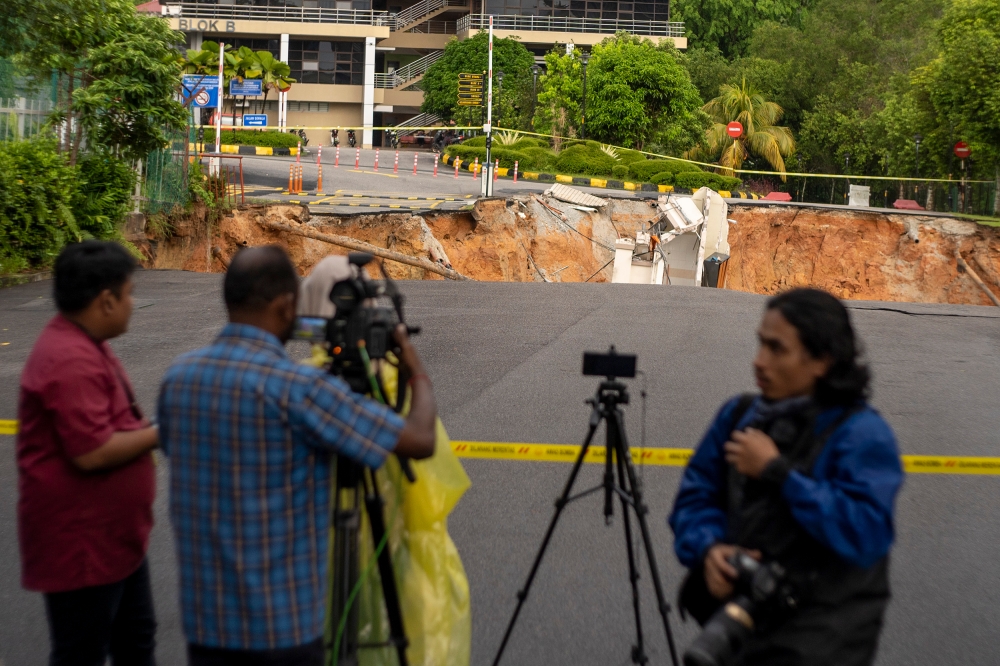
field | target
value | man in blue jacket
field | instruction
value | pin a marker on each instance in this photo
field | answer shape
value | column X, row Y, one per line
column 804, row 475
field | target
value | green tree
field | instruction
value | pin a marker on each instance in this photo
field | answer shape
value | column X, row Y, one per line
column 963, row 82
column 511, row 101
column 728, row 25
column 639, row 93
column 761, row 134
column 559, row 95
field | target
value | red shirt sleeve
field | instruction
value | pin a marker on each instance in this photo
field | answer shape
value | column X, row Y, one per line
column 81, row 398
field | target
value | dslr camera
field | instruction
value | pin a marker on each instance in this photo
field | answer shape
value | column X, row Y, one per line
column 361, row 330
column 762, row 592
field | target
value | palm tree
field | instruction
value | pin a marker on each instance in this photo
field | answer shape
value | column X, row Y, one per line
column 761, row 136
column 276, row 74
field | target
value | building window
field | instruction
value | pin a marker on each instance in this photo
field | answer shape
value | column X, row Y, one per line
column 342, row 63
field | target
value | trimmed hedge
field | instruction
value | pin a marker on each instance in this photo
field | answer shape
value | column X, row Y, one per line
column 644, row 170
column 476, row 142
column 626, row 156
column 249, row 137
column 620, row 171
column 505, row 155
column 662, row 178
column 584, row 159
column 542, row 158
column 694, row 180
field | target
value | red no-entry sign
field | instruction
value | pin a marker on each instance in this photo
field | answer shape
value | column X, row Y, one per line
column 734, row 129
column 962, row 150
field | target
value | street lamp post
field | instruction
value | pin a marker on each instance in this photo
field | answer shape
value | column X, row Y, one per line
column 534, row 90
column 584, row 57
column 916, row 142
column 499, row 84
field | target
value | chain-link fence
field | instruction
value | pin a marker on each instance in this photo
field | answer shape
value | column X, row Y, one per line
column 165, row 185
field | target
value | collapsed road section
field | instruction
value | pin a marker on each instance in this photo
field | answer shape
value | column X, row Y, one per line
column 560, row 236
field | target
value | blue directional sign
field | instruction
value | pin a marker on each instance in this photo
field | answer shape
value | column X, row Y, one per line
column 254, row 120
column 202, row 90
column 246, row 87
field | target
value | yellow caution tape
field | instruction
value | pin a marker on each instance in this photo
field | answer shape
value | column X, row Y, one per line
column 662, row 457
column 679, row 457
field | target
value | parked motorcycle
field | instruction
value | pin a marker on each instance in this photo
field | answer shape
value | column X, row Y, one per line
column 351, row 139
column 334, row 137
column 392, row 139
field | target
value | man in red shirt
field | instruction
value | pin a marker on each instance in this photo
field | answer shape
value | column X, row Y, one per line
column 85, row 472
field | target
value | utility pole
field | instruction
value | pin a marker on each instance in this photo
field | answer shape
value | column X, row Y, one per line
column 486, row 183
column 216, row 163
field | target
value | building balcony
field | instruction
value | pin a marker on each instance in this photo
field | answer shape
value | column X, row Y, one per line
column 561, row 29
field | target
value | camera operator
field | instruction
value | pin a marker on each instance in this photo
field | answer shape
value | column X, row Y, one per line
column 251, row 436
column 802, row 478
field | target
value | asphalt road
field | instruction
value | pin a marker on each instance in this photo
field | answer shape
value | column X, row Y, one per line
column 353, row 190
column 505, row 359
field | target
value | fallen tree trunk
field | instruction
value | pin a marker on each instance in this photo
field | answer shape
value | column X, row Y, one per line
column 361, row 246
column 978, row 280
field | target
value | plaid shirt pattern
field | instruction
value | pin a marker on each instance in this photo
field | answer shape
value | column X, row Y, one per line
column 251, row 435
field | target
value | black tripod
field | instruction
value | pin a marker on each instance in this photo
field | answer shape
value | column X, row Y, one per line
column 606, row 407
column 352, row 481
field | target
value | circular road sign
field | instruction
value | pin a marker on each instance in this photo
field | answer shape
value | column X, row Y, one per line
column 734, row 129
column 202, row 98
column 962, row 150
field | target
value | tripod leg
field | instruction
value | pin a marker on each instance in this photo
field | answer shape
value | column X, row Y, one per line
column 639, row 651
column 390, row 593
column 615, row 420
column 595, row 419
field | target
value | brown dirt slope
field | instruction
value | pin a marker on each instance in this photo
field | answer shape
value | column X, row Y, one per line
column 860, row 254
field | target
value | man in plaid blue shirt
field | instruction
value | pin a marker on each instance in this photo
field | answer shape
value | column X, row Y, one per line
column 251, row 436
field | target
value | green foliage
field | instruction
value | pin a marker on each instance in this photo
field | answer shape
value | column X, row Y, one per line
column 477, row 141
column 247, row 137
column 541, row 158
column 506, row 156
column 664, row 178
column 37, row 188
column 694, row 180
column 104, row 194
column 639, row 92
column 626, row 156
column 511, row 101
column 239, row 64
column 620, row 171
column 644, row 171
column 728, row 25
column 586, row 160
column 560, row 93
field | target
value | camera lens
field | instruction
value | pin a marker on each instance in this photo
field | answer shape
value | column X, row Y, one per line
column 723, row 636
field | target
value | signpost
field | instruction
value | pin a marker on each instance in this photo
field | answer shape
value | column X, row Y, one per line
column 734, row 129
column 246, row 88
column 254, row 120
column 962, row 150
column 201, row 89
column 470, row 89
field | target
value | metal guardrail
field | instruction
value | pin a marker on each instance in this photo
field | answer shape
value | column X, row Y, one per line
column 279, row 13
column 423, row 8
column 407, row 72
column 435, row 28
column 571, row 24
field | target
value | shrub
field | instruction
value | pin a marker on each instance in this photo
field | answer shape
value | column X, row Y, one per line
column 585, row 159
column 620, row 171
column 644, row 170
column 627, row 156
column 505, row 155
column 694, row 180
column 250, row 137
column 37, row 188
column 526, row 142
column 476, row 141
column 104, row 194
column 663, row 178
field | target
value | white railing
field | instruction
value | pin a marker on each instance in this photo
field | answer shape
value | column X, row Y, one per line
column 433, row 27
column 407, row 72
column 21, row 118
column 422, row 120
column 198, row 10
column 415, row 12
column 571, row 24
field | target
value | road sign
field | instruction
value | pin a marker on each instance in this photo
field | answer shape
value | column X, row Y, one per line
column 246, row 87
column 470, row 89
column 202, row 90
column 734, row 129
column 962, row 150
column 254, row 120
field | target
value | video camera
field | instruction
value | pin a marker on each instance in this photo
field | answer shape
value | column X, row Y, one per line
column 762, row 590
column 361, row 330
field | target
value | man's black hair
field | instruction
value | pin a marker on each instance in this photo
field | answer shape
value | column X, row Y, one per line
column 824, row 327
column 258, row 275
column 84, row 270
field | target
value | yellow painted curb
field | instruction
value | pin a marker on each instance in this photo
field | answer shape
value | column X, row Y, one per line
column 264, row 150
column 598, row 182
column 632, row 186
column 725, row 194
column 665, row 188
column 564, row 179
column 530, row 175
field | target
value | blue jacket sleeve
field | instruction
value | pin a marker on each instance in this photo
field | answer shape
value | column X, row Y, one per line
column 698, row 519
column 848, row 502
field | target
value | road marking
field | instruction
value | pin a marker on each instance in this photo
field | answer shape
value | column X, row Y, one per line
column 663, row 457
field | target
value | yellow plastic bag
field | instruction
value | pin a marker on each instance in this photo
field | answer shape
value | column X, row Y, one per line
column 433, row 588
